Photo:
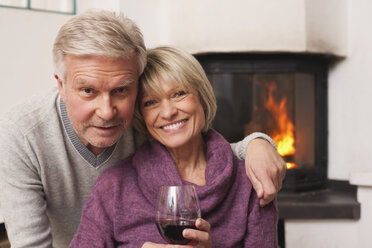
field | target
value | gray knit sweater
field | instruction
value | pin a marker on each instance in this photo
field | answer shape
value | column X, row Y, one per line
column 46, row 173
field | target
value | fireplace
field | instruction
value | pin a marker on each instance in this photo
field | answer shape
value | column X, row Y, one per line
column 283, row 95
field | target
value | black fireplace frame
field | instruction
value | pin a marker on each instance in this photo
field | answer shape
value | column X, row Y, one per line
column 302, row 179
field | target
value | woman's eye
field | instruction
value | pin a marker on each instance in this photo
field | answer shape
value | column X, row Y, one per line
column 148, row 103
column 180, row 93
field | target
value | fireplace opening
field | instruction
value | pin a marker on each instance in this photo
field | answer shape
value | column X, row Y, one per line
column 282, row 95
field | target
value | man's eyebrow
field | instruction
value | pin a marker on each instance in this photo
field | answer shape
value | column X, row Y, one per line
column 81, row 82
column 126, row 83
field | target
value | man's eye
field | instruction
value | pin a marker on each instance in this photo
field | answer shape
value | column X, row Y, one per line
column 121, row 90
column 149, row 103
column 87, row 91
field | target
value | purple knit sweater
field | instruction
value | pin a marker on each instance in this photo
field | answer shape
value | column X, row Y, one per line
column 120, row 211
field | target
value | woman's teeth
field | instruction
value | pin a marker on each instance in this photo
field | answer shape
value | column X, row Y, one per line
column 173, row 126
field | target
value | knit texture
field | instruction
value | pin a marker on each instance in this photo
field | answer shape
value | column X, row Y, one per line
column 45, row 178
column 120, row 211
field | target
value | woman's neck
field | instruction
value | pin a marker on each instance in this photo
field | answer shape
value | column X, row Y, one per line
column 191, row 161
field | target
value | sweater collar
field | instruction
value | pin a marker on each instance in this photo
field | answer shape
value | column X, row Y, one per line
column 155, row 168
column 91, row 158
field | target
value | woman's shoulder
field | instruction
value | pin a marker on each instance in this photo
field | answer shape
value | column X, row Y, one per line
column 151, row 151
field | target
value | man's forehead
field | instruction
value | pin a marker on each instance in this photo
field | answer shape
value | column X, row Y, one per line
column 130, row 56
column 101, row 61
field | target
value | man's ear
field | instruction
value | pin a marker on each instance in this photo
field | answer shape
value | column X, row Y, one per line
column 60, row 87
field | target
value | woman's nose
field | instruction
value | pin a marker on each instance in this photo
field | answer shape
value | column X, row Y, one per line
column 168, row 110
column 105, row 109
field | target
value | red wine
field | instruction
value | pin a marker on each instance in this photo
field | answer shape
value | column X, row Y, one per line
column 171, row 230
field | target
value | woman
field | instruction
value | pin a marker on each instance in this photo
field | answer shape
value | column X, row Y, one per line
column 176, row 106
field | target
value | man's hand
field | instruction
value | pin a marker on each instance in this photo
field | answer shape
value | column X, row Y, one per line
column 201, row 236
column 265, row 168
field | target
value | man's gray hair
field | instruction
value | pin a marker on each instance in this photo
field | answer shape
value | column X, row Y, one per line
column 98, row 33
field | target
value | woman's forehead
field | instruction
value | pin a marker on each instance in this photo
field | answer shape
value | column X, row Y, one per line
column 158, row 83
column 164, row 88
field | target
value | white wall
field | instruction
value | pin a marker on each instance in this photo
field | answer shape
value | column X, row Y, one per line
column 152, row 18
column 242, row 25
column 236, row 25
column 26, row 44
column 82, row 5
column 25, row 53
column 350, row 101
column 321, row 234
column 326, row 26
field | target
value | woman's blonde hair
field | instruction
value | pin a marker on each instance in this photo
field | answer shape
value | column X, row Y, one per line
column 182, row 71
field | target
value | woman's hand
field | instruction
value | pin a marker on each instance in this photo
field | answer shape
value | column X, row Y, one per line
column 202, row 236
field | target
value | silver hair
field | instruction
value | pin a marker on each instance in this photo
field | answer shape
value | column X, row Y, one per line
column 98, row 33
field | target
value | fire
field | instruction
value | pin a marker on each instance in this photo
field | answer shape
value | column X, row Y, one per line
column 284, row 135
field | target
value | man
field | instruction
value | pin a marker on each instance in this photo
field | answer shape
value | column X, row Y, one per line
column 53, row 147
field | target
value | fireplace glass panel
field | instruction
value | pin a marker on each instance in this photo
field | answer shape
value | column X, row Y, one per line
column 282, row 96
column 281, row 105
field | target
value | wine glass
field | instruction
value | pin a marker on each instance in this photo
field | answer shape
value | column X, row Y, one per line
column 177, row 209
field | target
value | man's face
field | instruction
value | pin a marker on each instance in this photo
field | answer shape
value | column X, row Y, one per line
column 100, row 94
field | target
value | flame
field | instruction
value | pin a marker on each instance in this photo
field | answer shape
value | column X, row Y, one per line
column 284, row 135
column 291, row 165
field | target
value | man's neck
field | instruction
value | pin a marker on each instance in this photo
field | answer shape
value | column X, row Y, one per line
column 95, row 150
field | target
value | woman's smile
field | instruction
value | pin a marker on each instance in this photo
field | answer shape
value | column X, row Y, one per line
column 174, row 125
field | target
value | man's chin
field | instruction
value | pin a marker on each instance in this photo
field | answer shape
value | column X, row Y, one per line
column 107, row 143
column 103, row 143
column 96, row 141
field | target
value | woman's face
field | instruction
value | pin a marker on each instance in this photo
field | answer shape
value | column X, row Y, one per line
column 175, row 118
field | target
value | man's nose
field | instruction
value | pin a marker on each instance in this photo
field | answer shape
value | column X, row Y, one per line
column 168, row 110
column 106, row 110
